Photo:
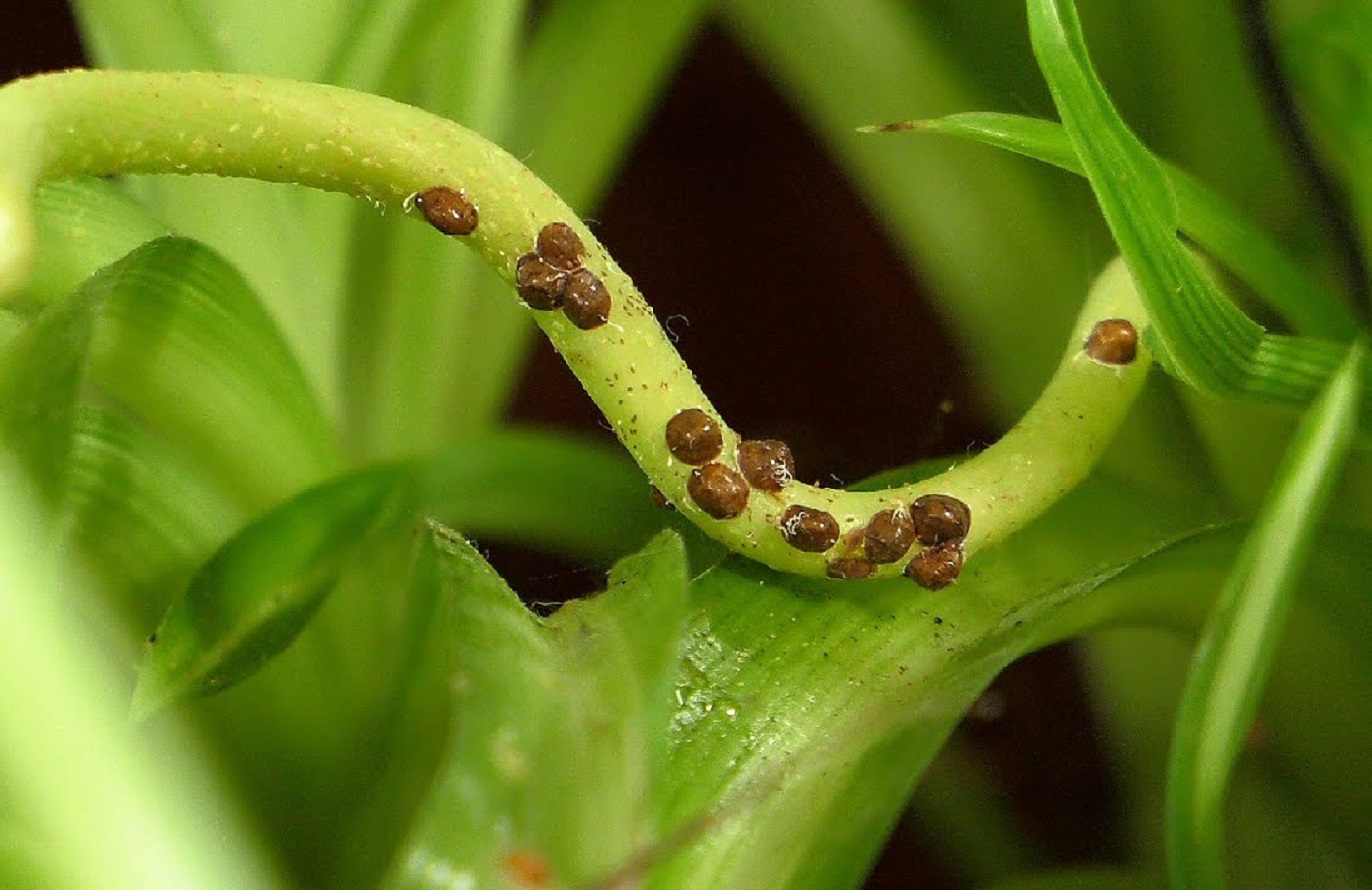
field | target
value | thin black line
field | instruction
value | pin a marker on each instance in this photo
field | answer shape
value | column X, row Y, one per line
column 1281, row 105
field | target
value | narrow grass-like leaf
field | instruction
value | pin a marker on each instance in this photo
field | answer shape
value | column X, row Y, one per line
column 1202, row 215
column 255, row 595
column 559, row 726
column 1199, row 335
column 1237, row 649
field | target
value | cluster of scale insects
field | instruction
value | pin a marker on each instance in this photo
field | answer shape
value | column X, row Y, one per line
column 552, row 277
column 937, row 522
column 549, row 277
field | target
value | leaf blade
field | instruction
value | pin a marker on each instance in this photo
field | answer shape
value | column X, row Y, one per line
column 1234, row 658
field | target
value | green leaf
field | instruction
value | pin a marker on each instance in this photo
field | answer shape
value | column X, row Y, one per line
column 1202, row 215
column 413, row 341
column 1329, row 57
column 172, row 336
column 82, row 225
column 1237, row 649
column 255, row 595
column 558, row 725
column 1199, row 335
column 112, row 809
column 115, row 34
column 250, row 600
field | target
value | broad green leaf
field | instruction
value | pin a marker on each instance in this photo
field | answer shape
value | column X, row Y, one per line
column 255, row 595
column 82, row 225
column 125, row 809
column 1202, row 215
column 1198, row 334
column 140, row 405
column 1236, row 652
column 1329, row 57
column 184, row 344
column 558, row 732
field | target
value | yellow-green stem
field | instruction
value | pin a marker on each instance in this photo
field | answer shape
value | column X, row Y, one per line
column 106, row 123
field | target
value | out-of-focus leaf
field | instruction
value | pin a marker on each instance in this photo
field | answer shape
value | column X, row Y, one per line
column 1197, row 334
column 409, row 331
column 82, row 225
column 41, row 374
column 1202, row 215
column 115, row 34
column 184, row 345
column 255, row 595
column 552, row 761
column 1329, row 57
column 1236, row 652
column 125, row 810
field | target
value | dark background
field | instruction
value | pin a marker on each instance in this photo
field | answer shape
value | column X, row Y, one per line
column 724, row 154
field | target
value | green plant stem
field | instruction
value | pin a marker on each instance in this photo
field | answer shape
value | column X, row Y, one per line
column 107, row 123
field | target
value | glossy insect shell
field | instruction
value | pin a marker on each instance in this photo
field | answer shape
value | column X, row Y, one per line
column 540, row 286
column 888, row 536
column 560, row 246
column 807, row 529
column 1114, row 341
column 718, row 490
column 586, row 302
column 694, row 437
column 939, row 518
column 766, row 463
column 934, row 568
column 448, row 210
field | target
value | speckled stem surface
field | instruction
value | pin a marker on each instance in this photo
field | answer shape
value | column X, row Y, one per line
column 103, row 123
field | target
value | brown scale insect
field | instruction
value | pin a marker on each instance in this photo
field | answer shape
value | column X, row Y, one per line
column 693, row 437
column 766, row 463
column 560, row 246
column 540, row 286
column 888, row 536
column 448, row 210
column 936, row 567
column 1114, row 341
column 586, row 302
column 850, row 568
column 807, row 529
column 939, row 518
column 718, row 490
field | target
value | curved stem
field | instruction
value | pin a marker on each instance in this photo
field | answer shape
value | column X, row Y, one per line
column 106, row 123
